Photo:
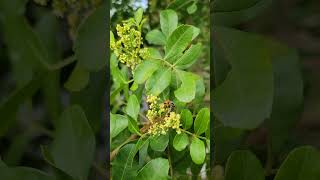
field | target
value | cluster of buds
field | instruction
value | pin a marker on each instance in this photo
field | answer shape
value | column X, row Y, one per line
column 161, row 117
column 128, row 47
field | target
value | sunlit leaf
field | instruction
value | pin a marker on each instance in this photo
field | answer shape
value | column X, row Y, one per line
column 197, row 151
column 202, row 120
column 156, row 37
column 117, row 124
column 187, row 91
column 156, row 169
column 168, row 21
column 180, row 141
column 159, row 143
column 133, row 107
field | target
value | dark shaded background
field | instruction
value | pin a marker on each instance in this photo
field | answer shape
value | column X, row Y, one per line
column 296, row 23
column 34, row 121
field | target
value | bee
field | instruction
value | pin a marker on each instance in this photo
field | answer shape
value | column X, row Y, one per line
column 169, row 105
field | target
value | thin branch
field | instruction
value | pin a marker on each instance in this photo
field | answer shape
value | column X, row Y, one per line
column 61, row 64
column 170, row 163
column 200, row 137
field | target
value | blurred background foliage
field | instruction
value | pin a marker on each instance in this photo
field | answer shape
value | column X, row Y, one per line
column 53, row 87
column 294, row 23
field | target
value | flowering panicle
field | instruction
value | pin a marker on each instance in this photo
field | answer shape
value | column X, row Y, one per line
column 128, row 47
column 161, row 118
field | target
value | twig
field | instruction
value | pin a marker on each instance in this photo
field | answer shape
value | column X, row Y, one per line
column 200, row 137
column 170, row 163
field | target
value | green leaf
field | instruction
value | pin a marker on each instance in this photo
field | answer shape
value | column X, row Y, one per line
column 288, row 93
column 73, row 147
column 243, row 165
column 226, row 140
column 133, row 126
column 189, row 57
column 156, row 37
column 159, row 81
column 145, row 70
column 59, row 174
column 179, row 4
column 179, row 40
column 186, row 117
column 117, row 75
column 197, row 151
column 78, row 79
column 141, row 142
column 202, row 121
column 200, row 89
column 156, row 169
column 91, row 40
column 302, row 163
column 25, row 173
column 48, row 28
column 133, row 107
column 193, row 8
column 244, row 99
column 28, row 51
column 117, row 124
column 10, row 106
column 143, row 153
column 138, row 16
column 196, row 32
column 134, row 86
column 187, row 91
column 159, row 143
column 180, row 141
column 112, row 39
column 154, row 53
column 230, row 13
column 120, row 165
column 168, row 21
column 92, row 95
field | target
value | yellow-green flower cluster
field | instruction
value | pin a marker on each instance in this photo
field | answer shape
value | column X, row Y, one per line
column 160, row 117
column 128, row 47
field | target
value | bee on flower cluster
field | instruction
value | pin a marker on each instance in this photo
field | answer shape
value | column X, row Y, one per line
column 162, row 117
column 169, row 105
